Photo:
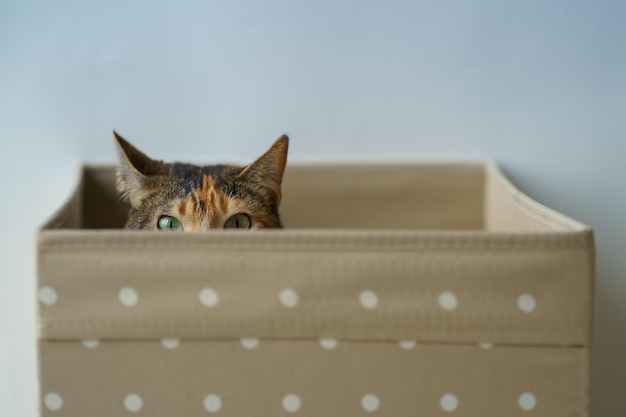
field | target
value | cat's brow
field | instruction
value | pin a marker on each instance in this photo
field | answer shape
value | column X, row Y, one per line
column 197, row 203
column 182, row 208
column 211, row 199
column 206, row 192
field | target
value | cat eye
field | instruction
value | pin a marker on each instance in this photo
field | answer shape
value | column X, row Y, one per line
column 238, row 221
column 169, row 223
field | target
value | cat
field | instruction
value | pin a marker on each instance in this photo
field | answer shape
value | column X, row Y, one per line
column 185, row 197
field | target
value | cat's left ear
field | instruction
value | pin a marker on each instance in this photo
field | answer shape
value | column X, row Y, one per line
column 133, row 171
column 267, row 171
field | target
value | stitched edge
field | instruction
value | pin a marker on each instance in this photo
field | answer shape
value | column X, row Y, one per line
column 299, row 240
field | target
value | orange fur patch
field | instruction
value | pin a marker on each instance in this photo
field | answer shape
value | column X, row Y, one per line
column 215, row 202
column 182, row 208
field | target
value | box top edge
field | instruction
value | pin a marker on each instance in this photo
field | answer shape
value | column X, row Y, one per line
column 320, row 239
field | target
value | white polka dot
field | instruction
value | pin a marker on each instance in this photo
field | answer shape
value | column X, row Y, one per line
column 133, row 403
column 212, row 403
column 448, row 301
column 407, row 344
column 485, row 345
column 171, row 343
column 368, row 299
column 128, row 297
column 249, row 342
column 291, row 403
column 48, row 296
column 370, row 403
column 527, row 401
column 289, row 298
column 526, row 303
column 91, row 343
column 328, row 343
column 209, row 297
column 53, row 401
column 449, row 402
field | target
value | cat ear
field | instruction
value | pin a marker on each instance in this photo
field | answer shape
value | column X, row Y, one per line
column 133, row 169
column 267, row 170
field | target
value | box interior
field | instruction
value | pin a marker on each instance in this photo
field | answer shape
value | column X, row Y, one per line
column 423, row 196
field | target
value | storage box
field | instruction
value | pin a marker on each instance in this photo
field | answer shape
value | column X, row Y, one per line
column 395, row 290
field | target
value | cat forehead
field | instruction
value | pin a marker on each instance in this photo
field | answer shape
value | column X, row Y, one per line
column 196, row 173
column 210, row 187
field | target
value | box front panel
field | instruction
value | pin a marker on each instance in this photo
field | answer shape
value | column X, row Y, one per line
column 323, row 378
column 284, row 285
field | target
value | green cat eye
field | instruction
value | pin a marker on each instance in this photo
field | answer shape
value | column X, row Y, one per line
column 169, row 223
column 238, row 221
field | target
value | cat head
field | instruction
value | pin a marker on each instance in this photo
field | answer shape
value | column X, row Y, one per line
column 181, row 196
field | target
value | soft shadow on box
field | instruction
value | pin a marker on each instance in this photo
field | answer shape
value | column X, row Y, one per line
column 402, row 290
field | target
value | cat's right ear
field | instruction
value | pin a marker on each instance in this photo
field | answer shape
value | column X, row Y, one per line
column 133, row 169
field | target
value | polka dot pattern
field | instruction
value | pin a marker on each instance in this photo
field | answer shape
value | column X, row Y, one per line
column 407, row 344
column 209, row 297
column 170, row 343
column 448, row 301
column 291, row 403
column 526, row 303
column 370, row 403
column 48, row 296
column 527, row 401
column 449, row 402
column 249, row 342
column 212, row 403
column 368, row 299
column 289, row 298
column 91, row 343
column 53, row 401
column 133, row 403
column 128, row 297
column 328, row 343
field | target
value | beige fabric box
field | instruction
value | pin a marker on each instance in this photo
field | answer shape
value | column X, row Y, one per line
column 395, row 290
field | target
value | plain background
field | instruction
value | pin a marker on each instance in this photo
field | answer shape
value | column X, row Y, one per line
column 538, row 86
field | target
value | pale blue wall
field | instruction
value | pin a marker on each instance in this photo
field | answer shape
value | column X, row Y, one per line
column 539, row 86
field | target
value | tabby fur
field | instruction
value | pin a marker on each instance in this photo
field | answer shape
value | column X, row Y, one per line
column 200, row 197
